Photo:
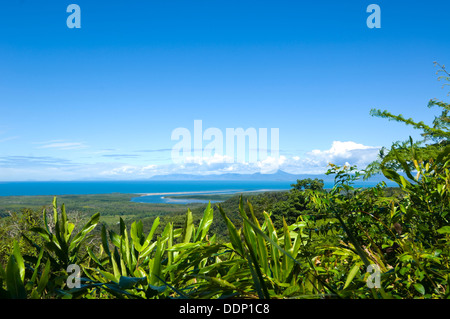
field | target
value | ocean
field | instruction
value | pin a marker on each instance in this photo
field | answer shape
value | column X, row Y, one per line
column 135, row 187
column 155, row 190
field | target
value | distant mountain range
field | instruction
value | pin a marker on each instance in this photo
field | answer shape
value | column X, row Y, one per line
column 278, row 176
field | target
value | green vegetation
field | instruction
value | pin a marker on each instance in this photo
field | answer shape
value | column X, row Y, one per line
column 214, row 197
column 435, row 137
column 305, row 243
column 109, row 204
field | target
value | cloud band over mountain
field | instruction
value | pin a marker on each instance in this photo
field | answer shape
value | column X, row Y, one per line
column 125, row 167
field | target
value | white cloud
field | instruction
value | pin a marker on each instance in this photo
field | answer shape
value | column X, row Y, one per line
column 271, row 164
column 208, row 160
column 313, row 162
column 133, row 170
column 62, row 145
column 10, row 138
column 341, row 149
column 340, row 153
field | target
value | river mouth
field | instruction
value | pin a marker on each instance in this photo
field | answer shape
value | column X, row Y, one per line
column 194, row 197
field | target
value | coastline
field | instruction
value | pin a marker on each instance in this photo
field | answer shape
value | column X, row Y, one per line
column 183, row 193
column 184, row 197
column 211, row 192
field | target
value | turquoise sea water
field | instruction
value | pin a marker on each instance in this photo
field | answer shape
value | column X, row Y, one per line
column 134, row 187
column 156, row 190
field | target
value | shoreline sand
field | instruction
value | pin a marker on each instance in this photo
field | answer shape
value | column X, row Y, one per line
column 211, row 192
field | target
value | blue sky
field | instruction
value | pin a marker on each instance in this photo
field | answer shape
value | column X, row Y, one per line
column 101, row 102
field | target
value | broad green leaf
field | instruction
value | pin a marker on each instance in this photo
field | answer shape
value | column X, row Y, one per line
column 286, row 236
column 105, row 243
column 14, row 284
column 440, row 189
column 109, row 276
column 120, row 293
column 272, row 234
column 44, row 234
column 255, row 270
column 233, row 233
column 249, row 234
column 69, row 229
column 44, row 278
column 444, row 230
column 94, row 258
column 157, row 289
column 19, row 260
column 36, row 267
column 420, row 288
column 63, row 223
column 131, row 282
column 147, row 250
column 139, row 272
column 156, row 269
column 179, row 292
column 55, row 210
column 115, row 238
column 352, row 274
column 205, row 223
column 188, row 227
column 170, row 254
column 90, row 225
column 152, row 232
column 184, row 246
column 219, row 281
column 116, row 270
column 405, row 166
column 392, row 175
column 125, row 247
column 404, row 182
column 261, row 244
column 136, row 235
column 123, row 267
column 44, row 215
